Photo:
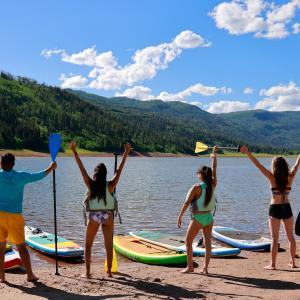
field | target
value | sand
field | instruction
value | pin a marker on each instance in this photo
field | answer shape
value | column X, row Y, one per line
column 229, row 278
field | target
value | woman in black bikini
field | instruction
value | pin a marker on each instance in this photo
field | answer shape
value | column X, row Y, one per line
column 281, row 179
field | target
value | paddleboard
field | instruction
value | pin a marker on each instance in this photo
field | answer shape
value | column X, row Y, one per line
column 45, row 242
column 12, row 260
column 177, row 243
column 241, row 239
column 144, row 252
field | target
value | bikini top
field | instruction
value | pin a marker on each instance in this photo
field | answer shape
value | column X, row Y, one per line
column 276, row 192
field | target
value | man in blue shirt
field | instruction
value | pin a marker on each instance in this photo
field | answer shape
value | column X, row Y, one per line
column 12, row 223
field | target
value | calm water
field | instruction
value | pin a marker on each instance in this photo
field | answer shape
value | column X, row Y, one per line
column 150, row 194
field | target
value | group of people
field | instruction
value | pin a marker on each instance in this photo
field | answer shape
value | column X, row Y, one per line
column 200, row 198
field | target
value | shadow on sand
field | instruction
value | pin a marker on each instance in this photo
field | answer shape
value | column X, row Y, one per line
column 260, row 283
column 42, row 290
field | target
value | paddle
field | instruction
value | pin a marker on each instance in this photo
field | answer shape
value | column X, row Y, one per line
column 114, row 264
column 201, row 147
column 54, row 146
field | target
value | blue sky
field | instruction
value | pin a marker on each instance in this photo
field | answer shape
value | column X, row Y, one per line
column 220, row 55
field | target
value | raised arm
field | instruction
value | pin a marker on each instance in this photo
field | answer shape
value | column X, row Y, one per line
column 295, row 167
column 265, row 171
column 115, row 179
column 33, row 177
column 189, row 197
column 86, row 178
column 214, row 165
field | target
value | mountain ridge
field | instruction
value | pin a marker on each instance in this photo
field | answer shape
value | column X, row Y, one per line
column 30, row 111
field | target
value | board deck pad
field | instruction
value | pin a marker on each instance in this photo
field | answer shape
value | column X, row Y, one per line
column 45, row 242
column 178, row 243
column 242, row 239
column 240, row 235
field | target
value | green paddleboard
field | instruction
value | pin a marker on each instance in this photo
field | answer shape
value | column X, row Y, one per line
column 147, row 253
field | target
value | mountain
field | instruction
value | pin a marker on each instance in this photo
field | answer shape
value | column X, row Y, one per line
column 278, row 129
column 31, row 111
column 263, row 130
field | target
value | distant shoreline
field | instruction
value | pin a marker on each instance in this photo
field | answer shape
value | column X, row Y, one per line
column 86, row 153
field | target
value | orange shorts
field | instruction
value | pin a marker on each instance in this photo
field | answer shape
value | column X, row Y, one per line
column 12, row 228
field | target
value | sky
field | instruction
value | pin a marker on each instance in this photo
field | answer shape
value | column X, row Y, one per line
column 222, row 56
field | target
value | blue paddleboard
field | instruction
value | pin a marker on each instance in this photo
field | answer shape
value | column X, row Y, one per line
column 241, row 239
column 45, row 242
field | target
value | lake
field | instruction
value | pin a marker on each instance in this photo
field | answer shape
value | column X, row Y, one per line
column 150, row 194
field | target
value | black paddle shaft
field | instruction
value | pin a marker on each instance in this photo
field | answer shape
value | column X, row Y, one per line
column 55, row 222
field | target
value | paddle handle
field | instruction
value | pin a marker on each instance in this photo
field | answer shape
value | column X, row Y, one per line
column 228, row 148
column 55, row 222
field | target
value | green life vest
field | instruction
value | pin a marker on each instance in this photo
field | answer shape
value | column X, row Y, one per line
column 99, row 204
column 198, row 204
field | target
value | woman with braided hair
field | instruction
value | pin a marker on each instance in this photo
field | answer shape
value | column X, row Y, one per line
column 202, row 201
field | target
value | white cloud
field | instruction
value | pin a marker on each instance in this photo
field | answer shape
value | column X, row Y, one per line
column 144, row 93
column 107, row 74
column 198, row 89
column 197, row 103
column 48, row 53
column 72, row 82
column 280, row 98
column 296, row 28
column 248, row 91
column 226, row 106
column 263, row 19
column 137, row 92
column 188, row 39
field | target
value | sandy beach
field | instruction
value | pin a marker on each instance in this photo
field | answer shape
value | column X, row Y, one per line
column 230, row 278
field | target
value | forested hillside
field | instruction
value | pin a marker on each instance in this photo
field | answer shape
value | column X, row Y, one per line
column 280, row 129
column 31, row 111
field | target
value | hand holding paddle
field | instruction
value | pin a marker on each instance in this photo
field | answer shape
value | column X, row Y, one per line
column 52, row 167
column 244, row 150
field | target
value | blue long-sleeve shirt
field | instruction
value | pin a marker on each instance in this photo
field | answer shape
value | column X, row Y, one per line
column 12, row 185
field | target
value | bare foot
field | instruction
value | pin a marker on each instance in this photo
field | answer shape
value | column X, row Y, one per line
column 109, row 274
column 270, row 267
column 86, row 275
column 32, row 278
column 204, row 271
column 292, row 265
column 187, row 270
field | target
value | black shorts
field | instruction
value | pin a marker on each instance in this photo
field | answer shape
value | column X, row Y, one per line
column 280, row 211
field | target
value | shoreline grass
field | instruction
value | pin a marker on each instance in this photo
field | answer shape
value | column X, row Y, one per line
column 84, row 152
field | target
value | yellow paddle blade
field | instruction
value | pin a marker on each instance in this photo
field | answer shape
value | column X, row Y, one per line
column 114, row 267
column 200, row 147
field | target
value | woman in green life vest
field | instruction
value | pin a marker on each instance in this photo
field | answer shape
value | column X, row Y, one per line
column 202, row 201
column 99, row 189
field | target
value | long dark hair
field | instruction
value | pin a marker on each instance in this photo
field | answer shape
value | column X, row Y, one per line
column 281, row 173
column 98, row 184
column 206, row 173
